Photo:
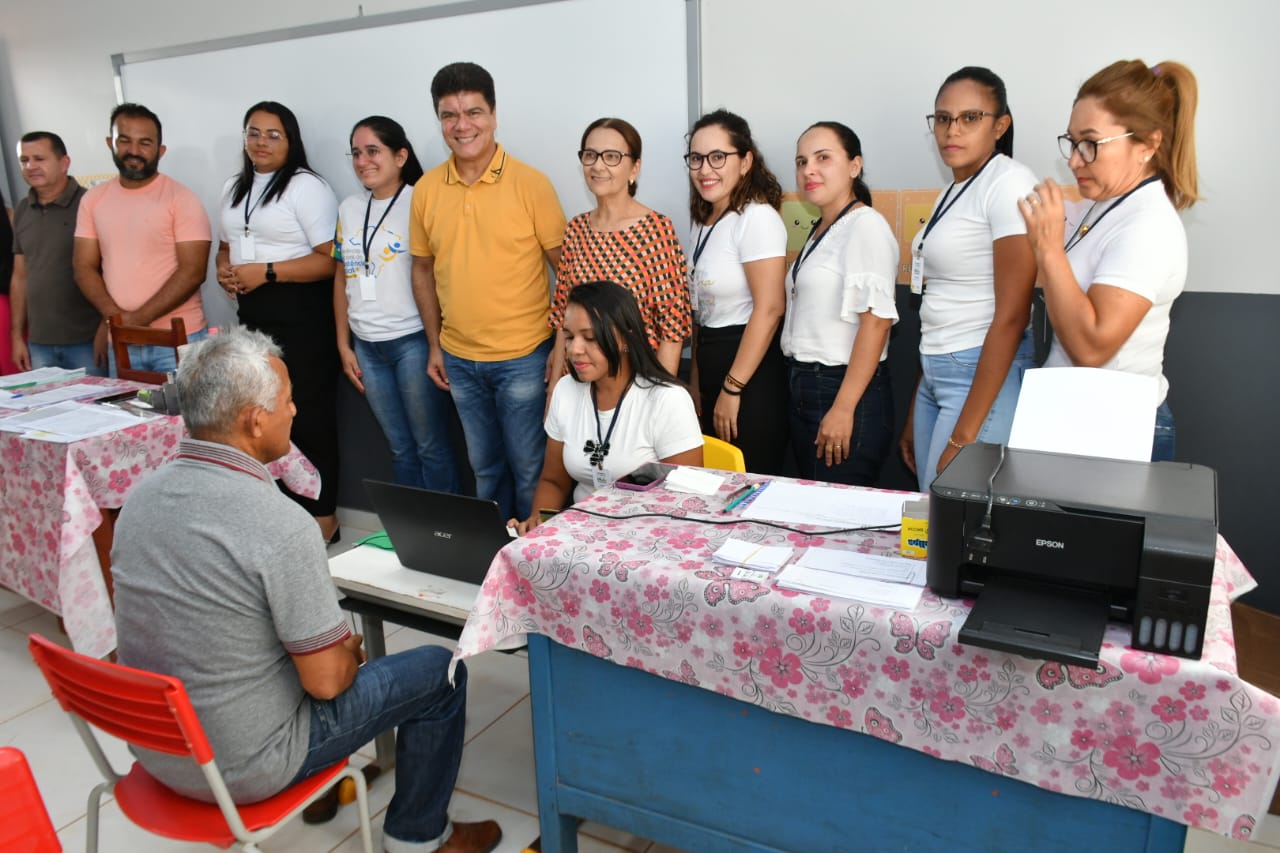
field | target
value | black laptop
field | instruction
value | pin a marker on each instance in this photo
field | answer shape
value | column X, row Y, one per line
column 453, row 536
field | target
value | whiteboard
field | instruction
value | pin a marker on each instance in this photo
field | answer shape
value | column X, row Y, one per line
column 557, row 66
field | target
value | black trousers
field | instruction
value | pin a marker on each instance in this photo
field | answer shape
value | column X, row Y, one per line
column 299, row 317
column 762, row 416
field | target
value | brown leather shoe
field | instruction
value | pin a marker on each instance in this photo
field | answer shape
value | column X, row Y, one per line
column 478, row 837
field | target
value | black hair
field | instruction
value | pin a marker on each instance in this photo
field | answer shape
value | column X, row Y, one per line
column 295, row 156
column 852, row 146
column 619, row 331
column 759, row 184
column 462, row 77
column 130, row 110
column 55, row 141
column 391, row 134
column 988, row 78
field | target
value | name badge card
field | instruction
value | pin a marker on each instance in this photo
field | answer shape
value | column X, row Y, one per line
column 247, row 249
column 599, row 479
column 368, row 288
column 917, row 273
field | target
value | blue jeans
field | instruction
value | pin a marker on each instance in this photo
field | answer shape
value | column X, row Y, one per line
column 813, row 391
column 501, row 405
column 159, row 359
column 410, row 690
column 412, row 411
column 1162, row 444
column 66, row 356
column 944, row 386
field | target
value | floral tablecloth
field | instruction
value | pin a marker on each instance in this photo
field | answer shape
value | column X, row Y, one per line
column 1187, row 740
column 50, row 500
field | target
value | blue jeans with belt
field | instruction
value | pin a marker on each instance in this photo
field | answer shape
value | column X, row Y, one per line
column 813, row 389
column 1162, row 445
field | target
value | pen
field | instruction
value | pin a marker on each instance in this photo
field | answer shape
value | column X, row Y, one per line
column 737, row 494
column 742, row 497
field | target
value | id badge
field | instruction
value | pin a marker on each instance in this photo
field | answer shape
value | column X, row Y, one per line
column 693, row 295
column 247, row 251
column 917, row 273
column 599, row 479
column 368, row 288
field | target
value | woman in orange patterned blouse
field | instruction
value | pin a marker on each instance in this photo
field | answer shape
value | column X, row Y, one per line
column 624, row 242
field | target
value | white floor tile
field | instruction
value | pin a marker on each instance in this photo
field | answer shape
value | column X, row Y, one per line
column 1267, row 831
column 14, row 608
column 614, row 837
column 498, row 764
column 24, row 686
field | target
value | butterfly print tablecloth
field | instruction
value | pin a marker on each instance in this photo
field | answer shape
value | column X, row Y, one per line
column 1187, row 740
column 51, row 497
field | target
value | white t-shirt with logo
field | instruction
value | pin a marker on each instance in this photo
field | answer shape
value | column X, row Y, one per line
column 392, row 313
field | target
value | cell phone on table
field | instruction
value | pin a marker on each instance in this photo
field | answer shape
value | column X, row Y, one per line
column 645, row 477
column 119, row 397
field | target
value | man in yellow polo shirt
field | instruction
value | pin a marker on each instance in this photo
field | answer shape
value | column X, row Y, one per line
column 483, row 228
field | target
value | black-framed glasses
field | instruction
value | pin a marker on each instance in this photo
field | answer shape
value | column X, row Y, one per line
column 589, row 156
column 966, row 119
column 253, row 134
column 1086, row 148
column 370, row 151
column 716, row 159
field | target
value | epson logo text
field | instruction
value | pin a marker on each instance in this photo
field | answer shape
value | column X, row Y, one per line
column 1051, row 543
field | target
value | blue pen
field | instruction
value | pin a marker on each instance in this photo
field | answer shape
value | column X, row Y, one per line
column 742, row 497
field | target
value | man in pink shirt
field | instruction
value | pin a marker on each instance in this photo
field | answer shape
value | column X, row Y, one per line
column 142, row 240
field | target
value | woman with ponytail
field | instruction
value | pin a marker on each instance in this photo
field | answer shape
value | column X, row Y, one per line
column 1111, row 270
column 975, row 267
column 840, row 307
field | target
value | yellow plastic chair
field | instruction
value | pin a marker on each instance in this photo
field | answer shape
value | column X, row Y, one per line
column 722, row 455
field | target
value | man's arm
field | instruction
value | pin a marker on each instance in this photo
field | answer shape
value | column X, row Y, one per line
column 424, row 294
column 193, row 261
column 327, row 673
column 18, row 313
column 86, row 263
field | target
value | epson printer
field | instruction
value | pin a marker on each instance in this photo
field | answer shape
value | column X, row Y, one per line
column 1053, row 546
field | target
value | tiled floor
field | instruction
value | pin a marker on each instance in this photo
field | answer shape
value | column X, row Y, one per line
column 496, row 780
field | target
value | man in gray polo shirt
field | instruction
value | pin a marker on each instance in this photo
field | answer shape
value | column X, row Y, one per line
column 223, row 582
column 52, row 324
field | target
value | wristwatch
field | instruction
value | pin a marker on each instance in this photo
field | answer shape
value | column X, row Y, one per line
column 271, row 272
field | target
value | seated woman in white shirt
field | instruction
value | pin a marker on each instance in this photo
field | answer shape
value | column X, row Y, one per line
column 622, row 409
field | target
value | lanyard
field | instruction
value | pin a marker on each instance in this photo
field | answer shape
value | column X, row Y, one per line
column 364, row 233
column 1082, row 229
column 597, row 450
column 250, row 208
column 701, row 243
column 943, row 207
column 804, row 256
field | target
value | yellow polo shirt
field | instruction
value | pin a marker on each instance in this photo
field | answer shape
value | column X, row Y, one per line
column 488, row 241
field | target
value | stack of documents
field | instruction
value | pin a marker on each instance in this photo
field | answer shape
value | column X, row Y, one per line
column 78, row 391
column 693, row 481
column 752, row 555
column 799, row 503
column 39, row 376
column 886, row 581
column 72, row 421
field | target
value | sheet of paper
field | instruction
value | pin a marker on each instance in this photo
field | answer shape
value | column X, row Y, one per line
column 825, row 506
column 695, row 481
column 77, row 391
column 898, row 596
column 752, row 555
column 870, row 566
column 1086, row 411
column 39, row 376
column 72, row 421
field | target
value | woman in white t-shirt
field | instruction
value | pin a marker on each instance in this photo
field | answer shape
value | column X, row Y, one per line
column 621, row 408
column 975, row 265
column 381, row 342
column 1110, row 284
column 276, row 258
column 736, row 271
column 840, row 308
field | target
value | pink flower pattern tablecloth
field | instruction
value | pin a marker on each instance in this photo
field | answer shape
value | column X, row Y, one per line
column 50, row 500
column 1187, row 740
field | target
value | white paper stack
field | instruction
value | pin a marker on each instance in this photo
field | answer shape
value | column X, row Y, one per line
column 886, row 581
column 696, row 481
column 752, row 555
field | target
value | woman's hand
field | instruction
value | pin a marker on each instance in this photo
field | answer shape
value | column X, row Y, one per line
column 948, row 453
column 907, row 441
column 227, row 279
column 725, row 416
column 351, row 367
column 523, row 527
column 249, row 277
column 1045, row 214
column 834, row 436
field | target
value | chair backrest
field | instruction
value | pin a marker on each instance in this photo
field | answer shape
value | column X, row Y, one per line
column 122, row 337
column 722, row 455
column 142, row 708
column 24, row 820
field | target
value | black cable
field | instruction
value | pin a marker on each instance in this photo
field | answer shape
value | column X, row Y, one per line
column 735, row 521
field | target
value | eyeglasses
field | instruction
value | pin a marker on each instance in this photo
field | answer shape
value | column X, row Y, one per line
column 716, row 158
column 589, row 156
column 1086, row 148
column 966, row 119
column 370, row 151
column 252, row 134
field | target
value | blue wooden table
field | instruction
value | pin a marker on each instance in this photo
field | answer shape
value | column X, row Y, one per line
column 701, row 771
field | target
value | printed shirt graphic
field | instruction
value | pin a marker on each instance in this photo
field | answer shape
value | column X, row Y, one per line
column 392, row 313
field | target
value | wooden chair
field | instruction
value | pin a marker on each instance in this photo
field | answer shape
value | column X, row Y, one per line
column 722, row 455
column 153, row 711
column 123, row 337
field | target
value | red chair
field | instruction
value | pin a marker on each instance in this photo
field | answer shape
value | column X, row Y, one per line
column 153, row 711
column 24, row 821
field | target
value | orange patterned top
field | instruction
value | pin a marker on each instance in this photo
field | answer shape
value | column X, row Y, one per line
column 646, row 259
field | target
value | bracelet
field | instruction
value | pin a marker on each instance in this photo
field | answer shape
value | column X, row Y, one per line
column 730, row 391
column 957, row 445
column 728, row 377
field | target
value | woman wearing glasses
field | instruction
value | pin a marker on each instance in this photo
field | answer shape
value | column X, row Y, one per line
column 736, row 283
column 1113, row 268
column 840, row 307
column 275, row 258
column 974, row 264
column 380, row 336
column 625, row 242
